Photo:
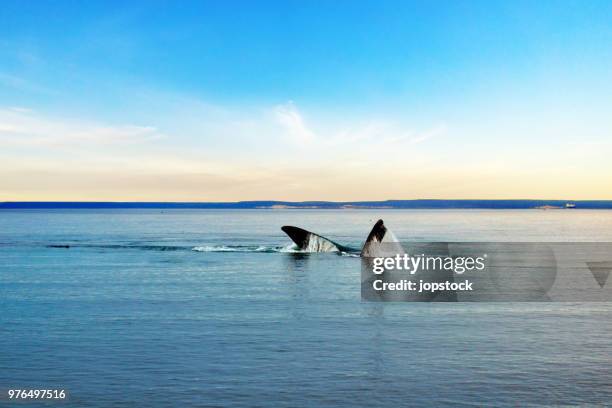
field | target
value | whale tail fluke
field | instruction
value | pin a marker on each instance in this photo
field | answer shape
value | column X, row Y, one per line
column 310, row 242
column 381, row 242
column 297, row 235
column 377, row 233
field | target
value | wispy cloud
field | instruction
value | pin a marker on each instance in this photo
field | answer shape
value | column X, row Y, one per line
column 293, row 123
column 420, row 137
column 205, row 152
column 384, row 133
column 23, row 127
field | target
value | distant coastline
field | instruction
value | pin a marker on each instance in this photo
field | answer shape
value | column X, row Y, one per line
column 319, row 205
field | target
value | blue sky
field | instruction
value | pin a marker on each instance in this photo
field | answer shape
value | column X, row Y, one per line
column 305, row 100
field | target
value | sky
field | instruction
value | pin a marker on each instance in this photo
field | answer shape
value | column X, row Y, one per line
column 305, row 100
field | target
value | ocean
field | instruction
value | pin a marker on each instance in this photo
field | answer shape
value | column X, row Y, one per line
column 198, row 308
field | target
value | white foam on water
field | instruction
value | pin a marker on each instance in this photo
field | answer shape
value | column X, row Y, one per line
column 314, row 246
column 222, row 248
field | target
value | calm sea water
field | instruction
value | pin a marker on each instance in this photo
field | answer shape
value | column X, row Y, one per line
column 209, row 308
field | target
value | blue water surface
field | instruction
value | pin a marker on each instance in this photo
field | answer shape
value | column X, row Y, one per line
column 125, row 308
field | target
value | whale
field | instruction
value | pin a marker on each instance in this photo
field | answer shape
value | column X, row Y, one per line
column 379, row 241
column 307, row 241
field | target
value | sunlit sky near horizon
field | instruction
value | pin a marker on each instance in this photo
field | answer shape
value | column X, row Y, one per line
column 305, row 100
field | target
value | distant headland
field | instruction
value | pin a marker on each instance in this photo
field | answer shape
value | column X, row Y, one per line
column 319, row 205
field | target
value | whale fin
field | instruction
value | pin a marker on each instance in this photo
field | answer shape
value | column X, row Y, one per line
column 381, row 242
column 377, row 233
column 310, row 242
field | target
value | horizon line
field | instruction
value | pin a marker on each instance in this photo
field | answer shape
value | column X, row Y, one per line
column 329, row 205
column 302, row 201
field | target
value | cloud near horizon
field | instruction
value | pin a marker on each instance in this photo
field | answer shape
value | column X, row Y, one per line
column 51, row 158
column 231, row 154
